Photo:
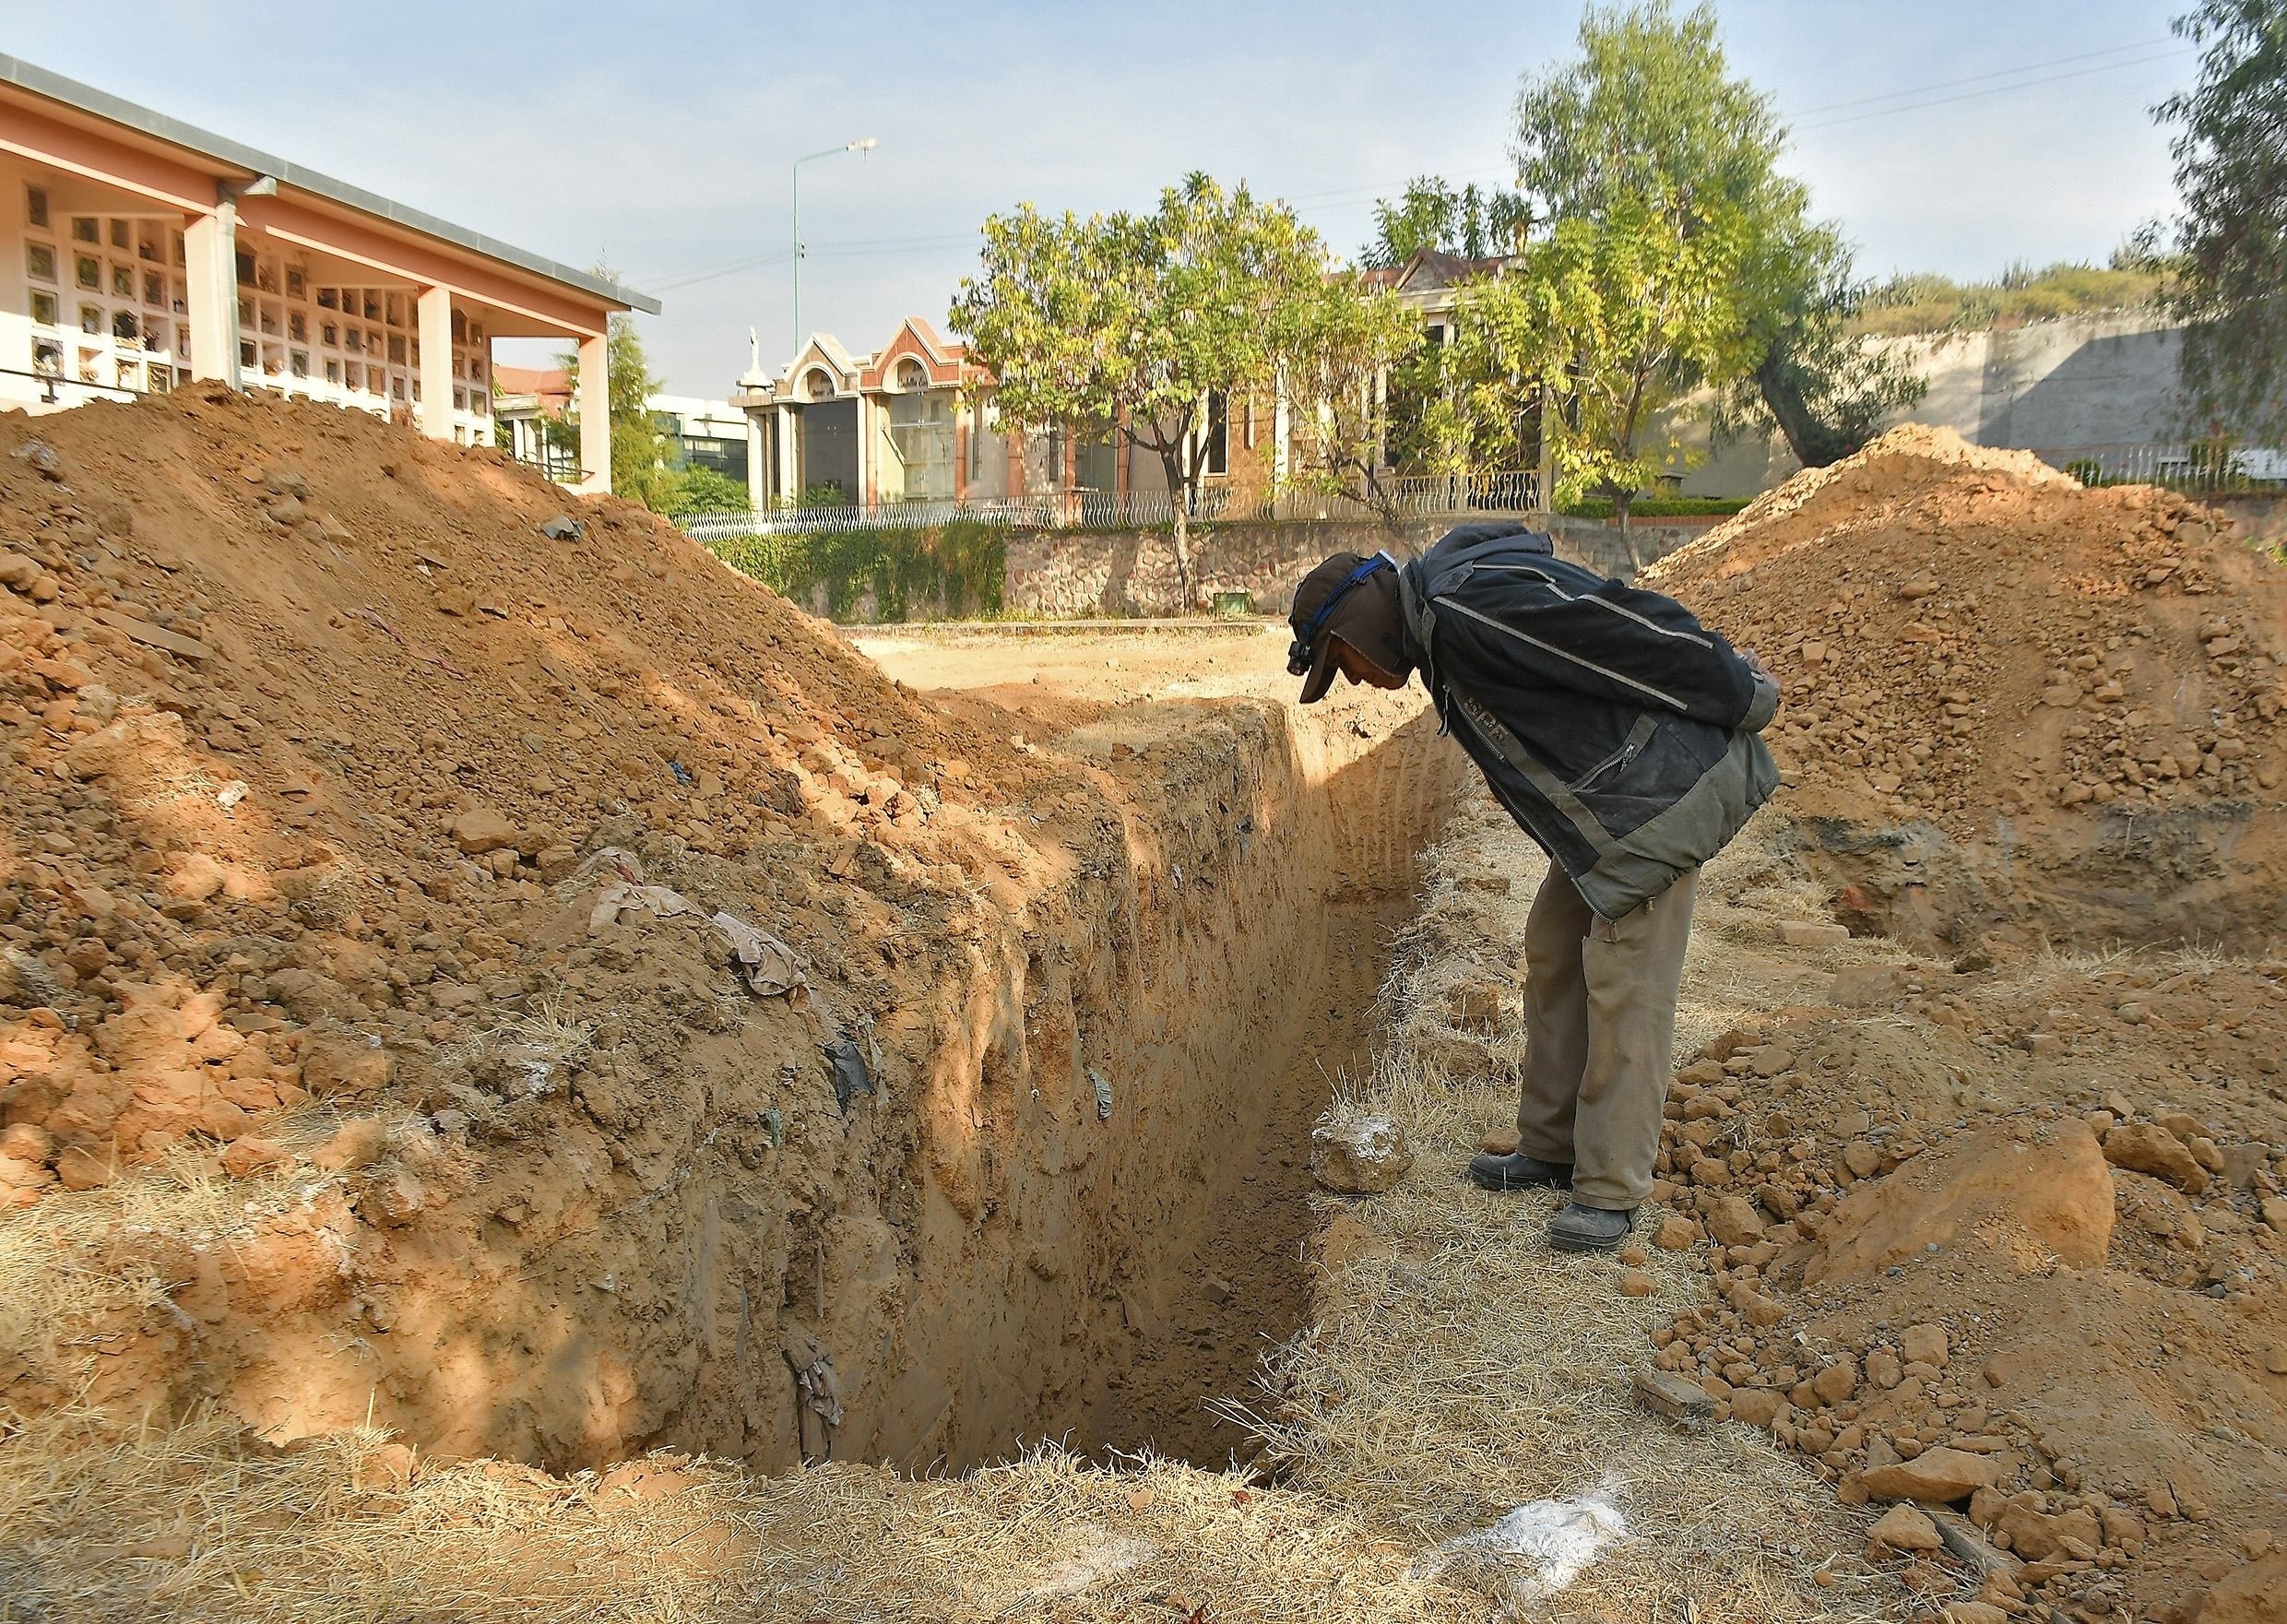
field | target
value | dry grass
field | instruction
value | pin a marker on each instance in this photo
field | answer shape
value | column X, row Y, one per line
column 1460, row 1367
column 197, row 1520
column 61, row 1280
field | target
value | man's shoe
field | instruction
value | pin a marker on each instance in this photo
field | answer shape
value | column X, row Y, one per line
column 1518, row 1171
column 1579, row 1229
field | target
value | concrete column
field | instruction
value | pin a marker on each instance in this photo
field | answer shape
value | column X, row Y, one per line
column 785, row 467
column 210, row 273
column 865, row 493
column 757, row 462
column 436, row 310
column 594, row 406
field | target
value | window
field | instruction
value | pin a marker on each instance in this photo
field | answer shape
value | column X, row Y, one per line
column 36, row 207
column 124, row 326
column 333, row 371
column 397, row 349
column 122, row 281
column 298, row 360
column 39, row 262
column 47, row 358
column 297, row 326
column 154, row 289
column 84, row 229
column 330, row 336
column 90, row 318
column 372, row 306
column 353, row 340
column 297, row 283
column 245, row 269
column 121, row 236
column 87, row 271
column 246, row 352
column 44, row 308
column 329, row 299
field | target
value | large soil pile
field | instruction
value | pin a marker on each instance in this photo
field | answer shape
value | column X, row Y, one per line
column 376, row 858
column 1987, row 659
column 2010, row 1237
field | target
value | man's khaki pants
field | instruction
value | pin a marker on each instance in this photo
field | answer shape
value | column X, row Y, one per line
column 1600, row 1034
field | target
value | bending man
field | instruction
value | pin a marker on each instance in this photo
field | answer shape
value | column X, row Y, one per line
column 1620, row 734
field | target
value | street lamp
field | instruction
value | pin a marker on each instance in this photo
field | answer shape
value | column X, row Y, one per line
column 863, row 144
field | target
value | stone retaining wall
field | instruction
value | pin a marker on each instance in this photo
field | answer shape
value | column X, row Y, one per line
column 1063, row 574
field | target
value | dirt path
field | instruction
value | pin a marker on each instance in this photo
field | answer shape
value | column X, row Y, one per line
column 1250, row 1289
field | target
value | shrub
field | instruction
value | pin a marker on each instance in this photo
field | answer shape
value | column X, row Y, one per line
column 954, row 571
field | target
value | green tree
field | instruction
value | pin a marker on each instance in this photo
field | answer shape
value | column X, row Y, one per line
column 1815, row 375
column 639, row 471
column 1435, row 214
column 1651, row 108
column 1352, row 337
column 1136, row 324
column 2230, row 157
column 701, row 490
column 1606, row 323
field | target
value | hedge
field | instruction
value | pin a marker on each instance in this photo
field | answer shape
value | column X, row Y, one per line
column 1660, row 507
column 952, row 572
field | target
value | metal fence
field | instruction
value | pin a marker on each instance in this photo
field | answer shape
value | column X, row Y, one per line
column 1423, row 496
column 2195, row 467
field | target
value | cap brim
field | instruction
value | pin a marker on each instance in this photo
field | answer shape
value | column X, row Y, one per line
column 1323, row 670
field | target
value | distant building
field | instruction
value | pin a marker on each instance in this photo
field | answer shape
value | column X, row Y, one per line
column 137, row 253
column 699, row 433
column 914, row 421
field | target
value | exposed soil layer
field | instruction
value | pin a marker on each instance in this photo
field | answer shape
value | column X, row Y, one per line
column 350, row 1072
column 2014, row 704
column 2002, row 1230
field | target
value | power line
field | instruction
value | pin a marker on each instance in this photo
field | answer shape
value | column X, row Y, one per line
column 1977, row 78
column 1829, row 124
column 1338, row 198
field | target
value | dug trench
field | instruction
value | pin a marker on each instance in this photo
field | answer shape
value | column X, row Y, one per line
column 371, row 1056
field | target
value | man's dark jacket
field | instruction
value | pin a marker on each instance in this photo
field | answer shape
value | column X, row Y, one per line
column 1618, row 731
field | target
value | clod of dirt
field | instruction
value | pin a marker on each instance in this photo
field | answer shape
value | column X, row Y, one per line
column 2051, row 1188
column 1359, row 1156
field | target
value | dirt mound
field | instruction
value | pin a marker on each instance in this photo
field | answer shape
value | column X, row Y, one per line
column 545, row 994
column 1976, row 649
column 2048, row 1293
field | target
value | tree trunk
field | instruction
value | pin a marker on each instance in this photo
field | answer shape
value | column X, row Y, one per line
column 1179, row 498
column 1623, row 503
column 1814, row 443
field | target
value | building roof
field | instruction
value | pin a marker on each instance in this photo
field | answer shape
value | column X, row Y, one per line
column 220, row 149
column 533, row 380
column 1429, row 268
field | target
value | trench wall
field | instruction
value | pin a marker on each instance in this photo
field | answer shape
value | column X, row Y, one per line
column 682, row 1238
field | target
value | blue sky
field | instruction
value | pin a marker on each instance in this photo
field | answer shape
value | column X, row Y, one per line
column 658, row 136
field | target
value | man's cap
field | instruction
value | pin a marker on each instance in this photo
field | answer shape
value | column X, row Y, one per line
column 1360, row 615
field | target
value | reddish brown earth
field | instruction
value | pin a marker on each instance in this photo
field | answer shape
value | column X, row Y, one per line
column 2008, row 1234
column 319, row 763
column 2043, row 697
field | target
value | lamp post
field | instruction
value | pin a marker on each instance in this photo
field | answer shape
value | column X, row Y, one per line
column 863, row 144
